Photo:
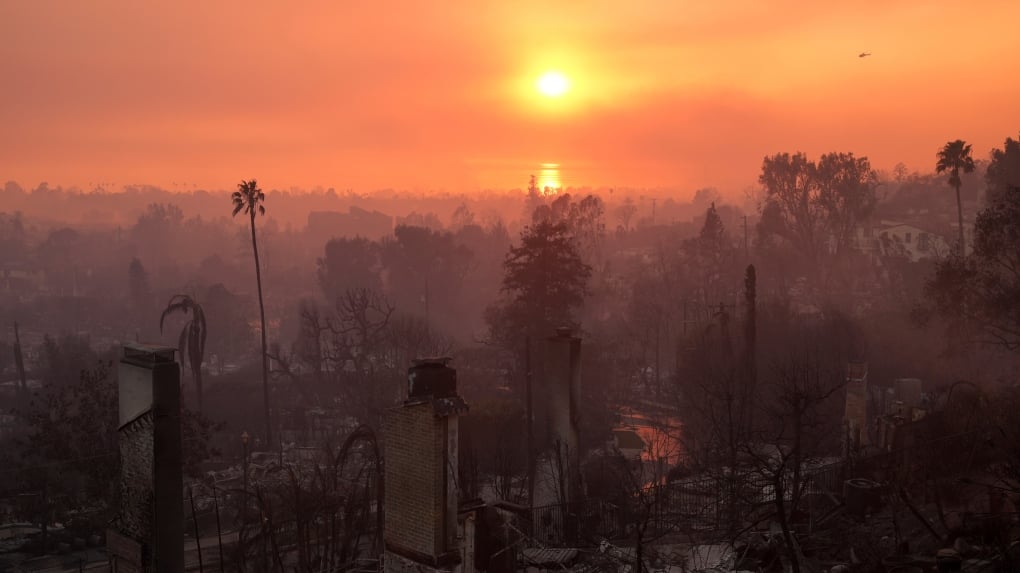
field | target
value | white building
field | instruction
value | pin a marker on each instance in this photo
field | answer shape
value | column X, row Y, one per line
column 892, row 238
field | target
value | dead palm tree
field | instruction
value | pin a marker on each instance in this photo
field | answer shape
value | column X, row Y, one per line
column 955, row 157
column 249, row 198
column 192, row 341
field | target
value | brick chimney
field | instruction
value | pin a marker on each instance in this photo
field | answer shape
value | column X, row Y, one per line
column 421, row 437
column 148, row 534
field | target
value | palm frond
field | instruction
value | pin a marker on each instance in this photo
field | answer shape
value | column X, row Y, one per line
column 249, row 198
column 177, row 303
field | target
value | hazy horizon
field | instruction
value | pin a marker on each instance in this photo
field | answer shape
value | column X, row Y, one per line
column 662, row 96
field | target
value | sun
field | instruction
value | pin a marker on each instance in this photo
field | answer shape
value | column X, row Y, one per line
column 553, row 84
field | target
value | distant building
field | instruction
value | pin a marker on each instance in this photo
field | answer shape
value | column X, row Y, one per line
column 325, row 225
column 913, row 241
column 19, row 278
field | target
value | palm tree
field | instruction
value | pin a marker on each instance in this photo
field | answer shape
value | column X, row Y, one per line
column 954, row 157
column 192, row 341
column 249, row 198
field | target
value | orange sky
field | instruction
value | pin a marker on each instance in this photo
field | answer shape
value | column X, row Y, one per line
column 427, row 95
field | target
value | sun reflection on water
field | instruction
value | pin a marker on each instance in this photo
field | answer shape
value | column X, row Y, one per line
column 549, row 179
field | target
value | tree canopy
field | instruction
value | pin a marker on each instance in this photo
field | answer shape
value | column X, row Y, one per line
column 953, row 158
column 982, row 289
column 1004, row 170
column 545, row 279
column 816, row 206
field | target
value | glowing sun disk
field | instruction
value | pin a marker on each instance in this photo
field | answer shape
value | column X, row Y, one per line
column 553, row 84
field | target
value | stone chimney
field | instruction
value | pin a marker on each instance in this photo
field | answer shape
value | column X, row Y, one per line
column 557, row 416
column 421, row 437
column 148, row 534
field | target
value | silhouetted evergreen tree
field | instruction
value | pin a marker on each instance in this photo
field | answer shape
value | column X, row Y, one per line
column 546, row 281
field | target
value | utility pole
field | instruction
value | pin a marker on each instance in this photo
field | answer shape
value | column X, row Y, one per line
column 658, row 364
column 19, row 362
column 428, row 329
column 529, row 405
column 244, row 483
column 681, row 344
column 747, row 251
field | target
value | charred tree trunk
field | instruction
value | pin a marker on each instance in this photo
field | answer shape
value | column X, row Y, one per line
column 959, row 216
column 784, row 521
column 19, row 363
column 750, row 347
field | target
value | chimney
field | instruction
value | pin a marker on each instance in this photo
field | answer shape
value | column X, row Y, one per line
column 148, row 534
column 855, row 416
column 558, row 414
column 421, row 438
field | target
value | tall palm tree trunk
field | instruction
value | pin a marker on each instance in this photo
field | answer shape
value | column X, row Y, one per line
column 959, row 214
column 198, row 386
column 262, row 317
